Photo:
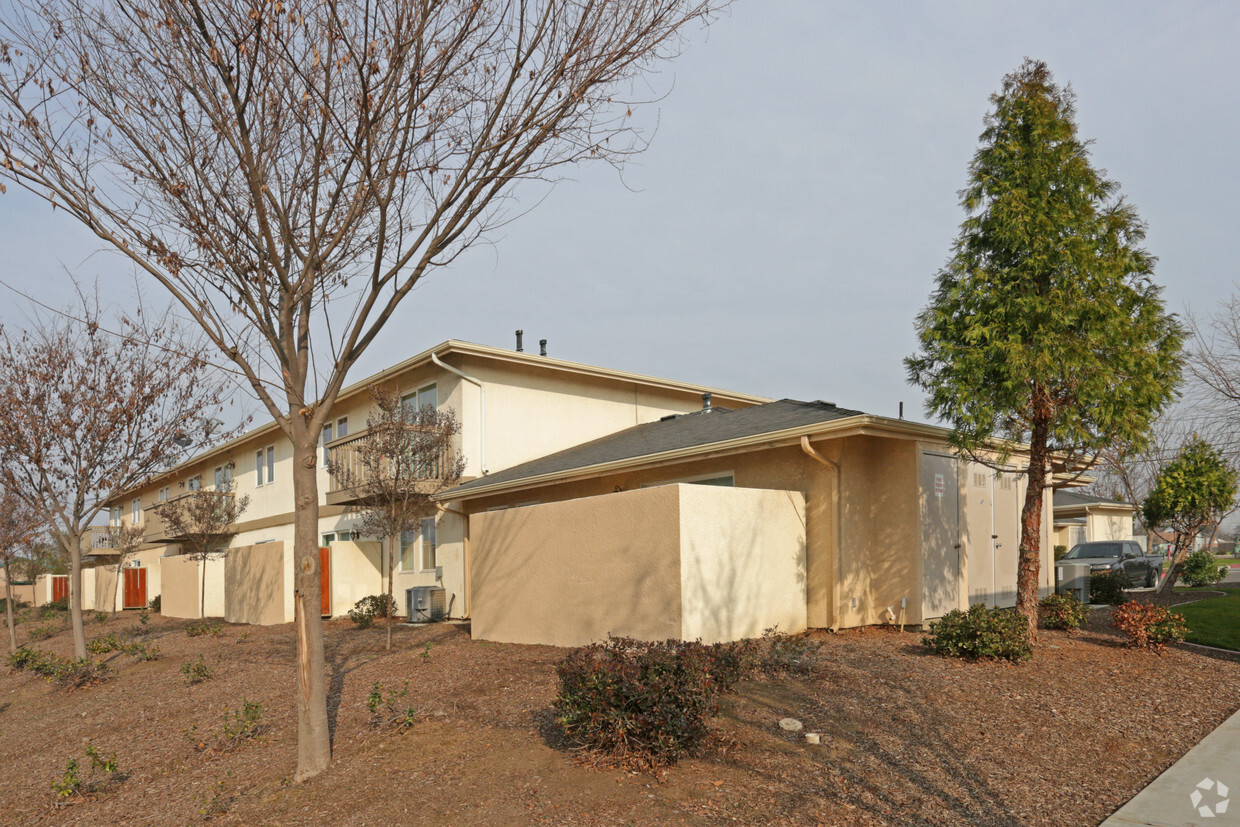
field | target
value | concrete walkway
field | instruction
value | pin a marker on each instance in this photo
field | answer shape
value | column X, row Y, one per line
column 1202, row 788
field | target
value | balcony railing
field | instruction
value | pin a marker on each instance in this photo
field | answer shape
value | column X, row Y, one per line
column 351, row 480
column 156, row 532
column 99, row 539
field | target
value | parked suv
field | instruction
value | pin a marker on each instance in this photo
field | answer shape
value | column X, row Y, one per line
column 1116, row 555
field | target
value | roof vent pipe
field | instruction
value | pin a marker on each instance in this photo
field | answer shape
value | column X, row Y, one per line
column 520, row 348
column 542, row 347
column 706, row 402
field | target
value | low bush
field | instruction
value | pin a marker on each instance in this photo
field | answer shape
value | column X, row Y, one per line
column 788, row 654
column 18, row 604
column 386, row 707
column 981, row 632
column 368, row 608
column 23, row 658
column 1201, row 570
column 1062, row 611
column 102, row 773
column 645, row 704
column 41, row 632
column 1149, row 626
column 67, row 673
column 240, row 725
column 196, row 671
column 1109, row 587
column 103, row 644
column 101, row 617
column 198, row 628
column 156, row 603
column 1060, row 551
column 61, row 605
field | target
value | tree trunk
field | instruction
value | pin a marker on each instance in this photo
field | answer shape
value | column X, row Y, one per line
column 314, row 751
column 75, row 594
column 8, row 606
column 1178, row 555
column 202, row 595
column 1030, row 561
column 119, row 584
column 391, row 605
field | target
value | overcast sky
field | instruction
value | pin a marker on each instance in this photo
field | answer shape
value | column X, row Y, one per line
column 784, row 227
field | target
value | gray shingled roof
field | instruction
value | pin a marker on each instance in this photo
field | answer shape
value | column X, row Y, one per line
column 672, row 433
column 1066, row 498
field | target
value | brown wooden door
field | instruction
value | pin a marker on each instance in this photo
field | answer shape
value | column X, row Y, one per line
column 325, row 580
column 60, row 587
column 135, row 589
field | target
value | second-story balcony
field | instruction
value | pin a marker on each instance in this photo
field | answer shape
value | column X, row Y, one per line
column 100, row 540
column 356, row 477
column 157, row 532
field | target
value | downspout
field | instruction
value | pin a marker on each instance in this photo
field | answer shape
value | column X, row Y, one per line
column 839, row 529
column 482, row 392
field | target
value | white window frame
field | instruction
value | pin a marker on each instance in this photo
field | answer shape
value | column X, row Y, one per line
column 135, row 511
column 271, row 464
column 415, row 396
column 222, row 473
column 428, row 525
column 117, row 515
column 194, row 483
column 164, row 494
column 259, row 466
column 326, row 438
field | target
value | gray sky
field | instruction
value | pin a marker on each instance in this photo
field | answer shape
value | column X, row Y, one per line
column 800, row 193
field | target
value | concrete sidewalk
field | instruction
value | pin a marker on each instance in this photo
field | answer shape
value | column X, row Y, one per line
column 1202, row 788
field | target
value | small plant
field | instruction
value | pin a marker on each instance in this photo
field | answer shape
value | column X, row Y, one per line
column 386, row 709
column 196, row 671
column 18, row 604
column 1060, row 551
column 981, row 632
column 41, row 632
column 144, row 617
column 1201, row 570
column 104, row 772
column 426, row 652
column 368, row 608
column 101, row 617
column 1109, row 587
column 215, row 802
column 731, row 663
column 103, row 644
column 23, row 658
column 79, row 673
column 61, row 605
column 1149, row 626
column 644, row 704
column 143, row 651
column 241, row 725
column 198, row 628
column 1062, row 611
column 155, row 604
column 790, row 654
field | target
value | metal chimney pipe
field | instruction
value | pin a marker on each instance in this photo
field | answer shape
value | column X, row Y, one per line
column 706, row 401
column 520, row 333
column 542, row 347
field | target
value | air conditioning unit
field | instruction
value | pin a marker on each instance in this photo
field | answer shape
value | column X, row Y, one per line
column 424, row 604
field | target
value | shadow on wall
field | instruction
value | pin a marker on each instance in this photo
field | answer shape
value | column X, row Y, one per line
column 254, row 584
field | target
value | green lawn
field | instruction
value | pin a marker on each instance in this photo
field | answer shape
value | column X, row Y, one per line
column 1214, row 621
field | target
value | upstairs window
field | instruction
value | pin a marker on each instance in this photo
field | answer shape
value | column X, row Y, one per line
column 327, row 437
column 271, row 463
column 115, row 518
column 195, row 483
column 422, row 397
column 135, row 513
column 223, row 476
column 259, row 468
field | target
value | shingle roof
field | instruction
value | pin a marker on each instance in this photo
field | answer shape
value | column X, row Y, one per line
column 1066, row 498
column 672, row 433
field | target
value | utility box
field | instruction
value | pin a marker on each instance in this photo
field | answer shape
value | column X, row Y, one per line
column 1073, row 578
column 424, row 604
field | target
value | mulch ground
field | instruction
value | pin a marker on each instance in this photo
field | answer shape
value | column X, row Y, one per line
column 907, row 737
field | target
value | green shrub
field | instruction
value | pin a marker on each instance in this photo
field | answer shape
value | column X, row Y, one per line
column 1149, row 626
column 155, row 604
column 79, row 673
column 981, row 632
column 61, row 605
column 198, row 628
column 642, row 703
column 23, row 658
column 18, row 604
column 788, row 654
column 144, row 617
column 1109, row 587
column 1201, row 570
column 731, row 663
column 196, row 671
column 368, row 608
column 1062, row 611
column 386, row 708
column 101, row 617
column 1060, row 551
column 241, row 725
column 103, row 644
column 142, row 650
column 41, row 632
column 104, row 772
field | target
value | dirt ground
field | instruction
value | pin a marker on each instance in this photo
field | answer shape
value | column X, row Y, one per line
column 907, row 737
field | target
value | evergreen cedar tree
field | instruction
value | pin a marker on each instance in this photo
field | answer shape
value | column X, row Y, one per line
column 1044, row 327
column 1193, row 491
column 290, row 170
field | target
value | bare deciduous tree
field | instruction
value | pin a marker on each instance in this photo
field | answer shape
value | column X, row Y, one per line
column 290, row 170
column 394, row 471
column 203, row 521
column 89, row 415
column 20, row 525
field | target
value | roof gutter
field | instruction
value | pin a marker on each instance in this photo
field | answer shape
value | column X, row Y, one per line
column 482, row 393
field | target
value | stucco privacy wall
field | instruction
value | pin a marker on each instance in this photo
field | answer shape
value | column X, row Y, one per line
column 182, row 587
column 356, row 571
column 636, row 564
column 742, row 562
column 257, row 580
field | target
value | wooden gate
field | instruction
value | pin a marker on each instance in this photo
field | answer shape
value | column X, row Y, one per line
column 135, row 589
column 60, row 587
column 325, row 580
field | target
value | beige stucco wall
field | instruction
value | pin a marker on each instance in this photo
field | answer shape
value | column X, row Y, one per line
column 355, row 573
column 255, row 585
column 673, row 561
column 182, row 587
column 568, row 573
column 742, row 562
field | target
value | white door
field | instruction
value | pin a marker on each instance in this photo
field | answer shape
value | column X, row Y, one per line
column 940, row 535
column 992, row 548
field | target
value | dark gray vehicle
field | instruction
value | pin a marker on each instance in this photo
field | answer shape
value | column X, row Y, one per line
column 1116, row 555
